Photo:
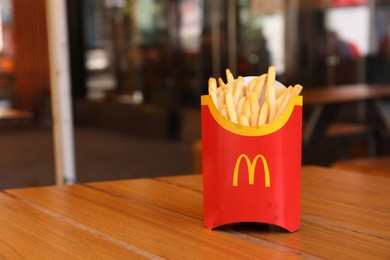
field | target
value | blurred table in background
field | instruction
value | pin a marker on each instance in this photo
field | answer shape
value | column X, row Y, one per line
column 326, row 104
column 14, row 114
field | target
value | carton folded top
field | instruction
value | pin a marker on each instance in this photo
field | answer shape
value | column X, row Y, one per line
column 251, row 130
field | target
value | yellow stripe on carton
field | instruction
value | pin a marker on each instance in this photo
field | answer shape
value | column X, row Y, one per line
column 250, row 130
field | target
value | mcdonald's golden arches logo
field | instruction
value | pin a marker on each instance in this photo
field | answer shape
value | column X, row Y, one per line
column 251, row 166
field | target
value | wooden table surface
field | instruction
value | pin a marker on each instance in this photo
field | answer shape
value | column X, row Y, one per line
column 344, row 215
column 376, row 166
column 345, row 93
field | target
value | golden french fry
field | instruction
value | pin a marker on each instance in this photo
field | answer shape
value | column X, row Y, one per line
column 223, row 111
column 229, row 105
column 247, row 92
column 279, row 92
column 239, row 106
column 237, row 92
column 270, row 93
column 297, row 90
column 271, row 77
column 282, row 92
column 220, row 82
column 263, row 115
column 260, row 85
column 213, row 91
column 229, row 76
column 290, row 91
column 283, row 105
column 242, row 120
column 220, row 98
column 252, row 84
column 255, row 108
column 221, row 91
column 246, row 109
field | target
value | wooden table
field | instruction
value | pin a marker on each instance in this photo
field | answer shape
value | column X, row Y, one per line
column 376, row 166
column 327, row 101
column 344, row 215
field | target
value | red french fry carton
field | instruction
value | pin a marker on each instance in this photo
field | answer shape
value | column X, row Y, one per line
column 251, row 174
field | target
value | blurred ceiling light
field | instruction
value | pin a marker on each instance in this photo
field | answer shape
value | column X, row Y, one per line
column 96, row 59
column 138, row 97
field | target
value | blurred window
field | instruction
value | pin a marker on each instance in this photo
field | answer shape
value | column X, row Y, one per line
column 167, row 50
column 352, row 24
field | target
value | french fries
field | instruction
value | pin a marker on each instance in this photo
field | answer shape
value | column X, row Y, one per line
column 254, row 105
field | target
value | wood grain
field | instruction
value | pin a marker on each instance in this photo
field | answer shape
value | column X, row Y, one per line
column 27, row 232
column 151, row 229
column 344, row 215
column 318, row 236
column 379, row 166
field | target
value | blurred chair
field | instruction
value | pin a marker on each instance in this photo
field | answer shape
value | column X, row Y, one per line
column 344, row 134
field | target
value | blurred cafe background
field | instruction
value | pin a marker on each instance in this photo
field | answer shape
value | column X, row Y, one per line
column 139, row 67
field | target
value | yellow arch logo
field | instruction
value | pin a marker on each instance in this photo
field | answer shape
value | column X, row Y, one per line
column 251, row 169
